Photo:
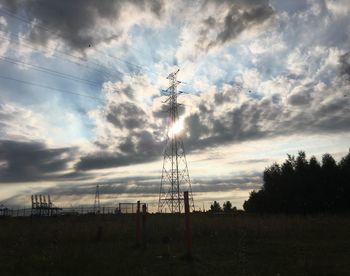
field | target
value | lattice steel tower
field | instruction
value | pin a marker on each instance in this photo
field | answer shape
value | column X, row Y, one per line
column 97, row 200
column 175, row 177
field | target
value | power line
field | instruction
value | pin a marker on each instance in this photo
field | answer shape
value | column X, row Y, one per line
column 105, row 73
column 49, row 71
column 29, row 21
column 53, row 88
column 62, row 53
column 50, row 88
column 125, row 61
column 71, row 55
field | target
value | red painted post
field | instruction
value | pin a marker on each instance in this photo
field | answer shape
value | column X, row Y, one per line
column 188, row 230
column 138, row 224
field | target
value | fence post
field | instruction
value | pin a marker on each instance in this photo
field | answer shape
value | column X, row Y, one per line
column 138, row 224
column 188, row 230
column 144, row 212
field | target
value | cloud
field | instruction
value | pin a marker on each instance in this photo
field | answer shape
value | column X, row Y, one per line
column 246, row 181
column 251, row 161
column 127, row 132
column 229, row 115
column 32, row 161
column 4, row 43
column 20, row 123
column 150, row 185
column 126, row 115
column 301, row 95
column 144, row 149
column 243, row 16
column 220, row 23
column 344, row 61
column 82, row 23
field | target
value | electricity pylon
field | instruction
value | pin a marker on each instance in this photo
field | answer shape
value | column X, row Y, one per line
column 97, row 200
column 175, row 177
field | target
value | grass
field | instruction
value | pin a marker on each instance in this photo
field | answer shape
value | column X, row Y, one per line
column 222, row 244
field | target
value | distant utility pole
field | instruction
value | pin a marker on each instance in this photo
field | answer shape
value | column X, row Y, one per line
column 175, row 177
column 97, row 200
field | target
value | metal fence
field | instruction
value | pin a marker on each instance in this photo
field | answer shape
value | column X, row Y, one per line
column 26, row 212
column 129, row 208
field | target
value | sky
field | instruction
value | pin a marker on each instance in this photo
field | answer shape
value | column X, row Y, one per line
column 81, row 103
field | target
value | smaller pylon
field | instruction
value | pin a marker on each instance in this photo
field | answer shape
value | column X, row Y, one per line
column 97, row 200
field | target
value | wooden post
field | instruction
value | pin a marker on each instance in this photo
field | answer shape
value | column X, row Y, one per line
column 188, row 230
column 144, row 212
column 138, row 224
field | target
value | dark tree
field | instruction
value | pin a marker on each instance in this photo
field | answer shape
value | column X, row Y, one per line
column 227, row 206
column 302, row 186
column 215, row 207
column 344, row 174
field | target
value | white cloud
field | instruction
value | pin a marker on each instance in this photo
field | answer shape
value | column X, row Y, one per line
column 338, row 7
column 20, row 123
column 4, row 37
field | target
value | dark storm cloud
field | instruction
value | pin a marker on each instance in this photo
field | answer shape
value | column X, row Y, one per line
column 235, row 125
column 345, row 65
column 102, row 160
column 75, row 21
column 237, row 21
column 300, row 98
column 195, row 126
column 144, row 149
column 241, row 16
column 126, row 115
column 31, row 161
column 127, row 146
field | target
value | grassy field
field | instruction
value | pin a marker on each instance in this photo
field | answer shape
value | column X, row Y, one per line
column 222, row 244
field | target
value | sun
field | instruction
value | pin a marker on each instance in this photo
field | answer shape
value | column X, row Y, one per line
column 176, row 128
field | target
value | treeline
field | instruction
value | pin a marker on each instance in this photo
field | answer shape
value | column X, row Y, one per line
column 303, row 186
column 215, row 207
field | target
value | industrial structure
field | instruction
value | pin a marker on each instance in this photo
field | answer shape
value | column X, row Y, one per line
column 4, row 211
column 43, row 207
column 175, row 177
column 97, row 206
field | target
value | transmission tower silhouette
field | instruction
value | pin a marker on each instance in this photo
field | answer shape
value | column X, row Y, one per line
column 97, row 200
column 175, row 177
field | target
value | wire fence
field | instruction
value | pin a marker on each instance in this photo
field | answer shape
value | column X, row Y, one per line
column 70, row 211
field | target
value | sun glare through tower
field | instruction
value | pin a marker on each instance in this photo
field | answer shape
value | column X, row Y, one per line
column 175, row 177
